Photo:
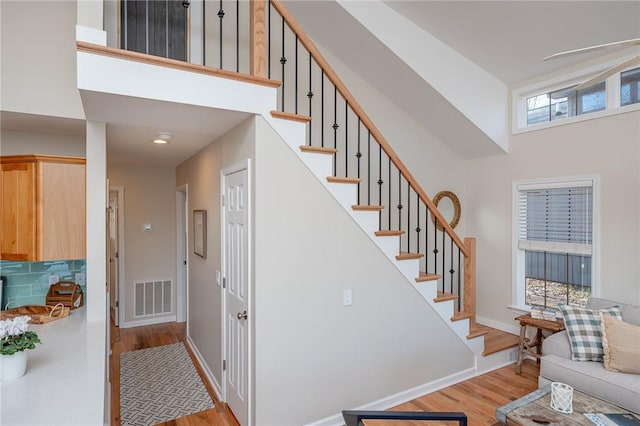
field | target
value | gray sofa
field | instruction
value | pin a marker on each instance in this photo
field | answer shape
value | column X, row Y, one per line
column 591, row 377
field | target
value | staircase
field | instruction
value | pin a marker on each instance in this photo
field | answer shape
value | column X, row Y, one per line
column 344, row 190
column 325, row 126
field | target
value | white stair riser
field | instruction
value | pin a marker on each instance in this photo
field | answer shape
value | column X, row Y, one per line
column 389, row 245
column 319, row 164
column 368, row 220
column 428, row 290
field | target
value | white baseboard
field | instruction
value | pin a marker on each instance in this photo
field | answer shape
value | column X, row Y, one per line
column 401, row 397
column 148, row 321
column 508, row 328
column 205, row 367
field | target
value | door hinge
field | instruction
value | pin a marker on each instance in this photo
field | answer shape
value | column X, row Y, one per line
column 224, row 365
column 184, row 262
column 117, row 303
column 224, row 282
column 223, row 201
column 117, row 255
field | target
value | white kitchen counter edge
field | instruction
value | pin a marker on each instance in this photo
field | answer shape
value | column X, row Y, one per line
column 64, row 383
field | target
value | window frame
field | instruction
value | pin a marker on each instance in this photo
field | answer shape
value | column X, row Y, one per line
column 612, row 96
column 518, row 289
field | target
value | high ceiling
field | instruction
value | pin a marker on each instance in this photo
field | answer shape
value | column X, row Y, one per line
column 509, row 38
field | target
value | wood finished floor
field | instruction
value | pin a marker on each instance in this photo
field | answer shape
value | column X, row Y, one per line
column 478, row 397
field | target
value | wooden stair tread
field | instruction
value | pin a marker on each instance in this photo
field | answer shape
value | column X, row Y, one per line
column 290, row 116
column 497, row 340
column 443, row 297
column 409, row 256
column 426, row 277
column 391, row 233
column 364, row 207
column 318, row 149
column 458, row 316
column 477, row 333
column 335, row 179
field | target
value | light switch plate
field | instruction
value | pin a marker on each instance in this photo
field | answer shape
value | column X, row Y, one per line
column 347, row 297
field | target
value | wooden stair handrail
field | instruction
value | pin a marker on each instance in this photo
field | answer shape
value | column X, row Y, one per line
column 364, row 118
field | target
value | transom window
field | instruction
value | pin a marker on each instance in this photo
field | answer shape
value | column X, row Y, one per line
column 565, row 103
column 556, row 102
column 630, row 87
column 554, row 242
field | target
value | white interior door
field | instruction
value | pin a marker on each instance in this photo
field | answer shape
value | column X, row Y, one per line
column 112, row 244
column 237, row 278
column 181, row 253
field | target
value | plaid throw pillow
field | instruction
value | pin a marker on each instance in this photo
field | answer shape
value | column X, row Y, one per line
column 583, row 328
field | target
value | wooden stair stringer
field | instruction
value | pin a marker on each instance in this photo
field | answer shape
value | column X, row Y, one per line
column 321, row 166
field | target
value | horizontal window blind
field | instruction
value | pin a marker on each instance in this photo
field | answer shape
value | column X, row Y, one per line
column 558, row 219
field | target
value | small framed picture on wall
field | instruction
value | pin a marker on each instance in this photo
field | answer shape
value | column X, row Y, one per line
column 200, row 232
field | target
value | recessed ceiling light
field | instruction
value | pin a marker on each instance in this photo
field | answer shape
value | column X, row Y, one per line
column 163, row 138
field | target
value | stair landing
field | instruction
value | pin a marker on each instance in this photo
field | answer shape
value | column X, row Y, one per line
column 497, row 340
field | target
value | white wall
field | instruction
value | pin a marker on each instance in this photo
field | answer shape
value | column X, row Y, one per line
column 608, row 147
column 15, row 142
column 149, row 198
column 38, row 48
column 313, row 356
column 202, row 173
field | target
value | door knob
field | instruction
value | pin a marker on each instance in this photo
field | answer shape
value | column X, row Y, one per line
column 242, row 315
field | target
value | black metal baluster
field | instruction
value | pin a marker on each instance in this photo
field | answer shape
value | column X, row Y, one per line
column 335, row 128
column 322, row 109
column 389, row 186
column 409, row 217
column 283, row 60
column 310, row 96
column 459, row 293
column 435, row 247
column 418, row 230
column 451, row 271
column 346, row 139
column 443, row 257
column 269, row 40
column 368, row 167
column 221, row 16
column 296, row 69
column 237, row 35
column 400, row 201
column 359, row 156
column 380, row 182
column 426, row 237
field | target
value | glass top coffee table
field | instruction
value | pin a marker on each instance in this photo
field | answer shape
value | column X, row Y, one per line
column 531, row 408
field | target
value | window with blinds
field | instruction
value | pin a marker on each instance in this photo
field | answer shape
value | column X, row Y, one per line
column 555, row 242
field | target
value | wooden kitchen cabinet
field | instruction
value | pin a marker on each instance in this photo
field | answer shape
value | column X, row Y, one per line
column 43, row 211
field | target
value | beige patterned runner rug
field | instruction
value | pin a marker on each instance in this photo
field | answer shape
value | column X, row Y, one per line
column 159, row 384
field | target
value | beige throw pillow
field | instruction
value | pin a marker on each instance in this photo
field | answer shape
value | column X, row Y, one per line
column 621, row 343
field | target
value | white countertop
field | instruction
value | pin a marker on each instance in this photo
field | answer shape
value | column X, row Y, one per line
column 65, row 379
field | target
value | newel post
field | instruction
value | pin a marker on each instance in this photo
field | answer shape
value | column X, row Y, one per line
column 469, row 295
column 257, row 39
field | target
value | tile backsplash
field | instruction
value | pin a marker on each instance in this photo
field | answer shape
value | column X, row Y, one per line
column 27, row 283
